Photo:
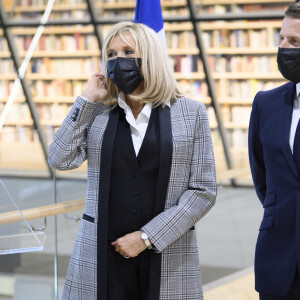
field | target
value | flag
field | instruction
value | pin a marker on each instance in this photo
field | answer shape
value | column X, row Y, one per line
column 149, row 13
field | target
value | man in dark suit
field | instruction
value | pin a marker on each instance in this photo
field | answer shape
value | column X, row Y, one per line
column 274, row 153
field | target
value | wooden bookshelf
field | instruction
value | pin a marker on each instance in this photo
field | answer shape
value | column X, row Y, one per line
column 233, row 48
column 41, row 8
column 228, row 75
column 228, row 2
column 132, row 4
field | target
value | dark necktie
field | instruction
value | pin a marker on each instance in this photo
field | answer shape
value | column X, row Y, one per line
column 296, row 149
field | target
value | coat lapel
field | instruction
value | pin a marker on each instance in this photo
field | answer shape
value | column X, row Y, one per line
column 104, row 184
column 286, row 112
column 166, row 150
column 165, row 162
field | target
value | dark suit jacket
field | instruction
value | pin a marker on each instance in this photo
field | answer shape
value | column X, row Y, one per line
column 277, row 184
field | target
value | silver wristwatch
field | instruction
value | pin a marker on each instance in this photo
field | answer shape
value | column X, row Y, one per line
column 145, row 238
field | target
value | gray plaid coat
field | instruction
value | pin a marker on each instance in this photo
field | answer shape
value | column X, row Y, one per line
column 191, row 193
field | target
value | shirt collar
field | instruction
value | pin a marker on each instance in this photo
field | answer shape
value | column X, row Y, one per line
column 146, row 109
column 297, row 90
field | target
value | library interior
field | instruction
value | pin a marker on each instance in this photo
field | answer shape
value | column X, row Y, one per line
column 222, row 51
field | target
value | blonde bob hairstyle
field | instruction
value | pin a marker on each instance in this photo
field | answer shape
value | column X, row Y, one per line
column 160, row 85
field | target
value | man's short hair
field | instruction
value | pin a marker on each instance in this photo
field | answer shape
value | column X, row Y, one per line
column 293, row 11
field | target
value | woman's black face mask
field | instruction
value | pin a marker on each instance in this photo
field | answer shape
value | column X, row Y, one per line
column 288, row 60
column 125, row 72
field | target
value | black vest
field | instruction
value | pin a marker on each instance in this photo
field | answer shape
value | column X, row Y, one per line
column 133, row 178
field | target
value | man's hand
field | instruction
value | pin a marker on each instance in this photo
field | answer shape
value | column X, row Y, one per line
column 130, row 245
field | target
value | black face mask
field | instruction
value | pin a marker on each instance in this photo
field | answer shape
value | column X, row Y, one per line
column 125, row 72
column 288, row 60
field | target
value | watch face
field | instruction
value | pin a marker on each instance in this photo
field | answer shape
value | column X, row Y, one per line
column 144, row 236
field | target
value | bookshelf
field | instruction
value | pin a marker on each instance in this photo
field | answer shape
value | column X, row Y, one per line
column 241, row 56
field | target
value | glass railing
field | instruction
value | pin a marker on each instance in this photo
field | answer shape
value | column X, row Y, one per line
column 32, row 274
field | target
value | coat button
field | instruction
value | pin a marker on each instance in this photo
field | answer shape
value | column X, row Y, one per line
column 135, row 193
column 134, row 211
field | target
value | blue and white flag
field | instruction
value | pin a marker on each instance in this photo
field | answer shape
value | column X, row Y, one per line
column 149, row 13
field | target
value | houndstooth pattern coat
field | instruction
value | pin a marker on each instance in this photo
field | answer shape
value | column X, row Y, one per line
column 190, row 194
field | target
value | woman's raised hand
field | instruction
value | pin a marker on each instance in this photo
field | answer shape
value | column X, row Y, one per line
column 96, row 89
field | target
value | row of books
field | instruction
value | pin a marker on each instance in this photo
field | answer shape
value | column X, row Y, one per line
column 3, row 44
column 175, row 40
column 240, row 38
column 183, row 40
column 228, row 89
column 25, row 134
column 195, row 89
column 237, row 138
column 243, row 89
column 18, row 111
column 71, row 14
column 237, row 115
column 56, row 88
column 66, row 66
column 55, row 15
column 186, row 63
column 53, row 42
column 247, row 64
column 54, row 112
column 42, row 89
column 21, row 134
column 6, row 88
column 239, row 8
column 44, row 2
column 226, row 63
column 6, row 67
column 129, row 13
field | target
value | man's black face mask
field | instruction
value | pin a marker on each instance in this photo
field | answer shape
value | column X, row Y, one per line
column 288, row 60
column 125, row 72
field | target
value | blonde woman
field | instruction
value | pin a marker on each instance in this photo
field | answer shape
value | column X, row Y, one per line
column 151, row 176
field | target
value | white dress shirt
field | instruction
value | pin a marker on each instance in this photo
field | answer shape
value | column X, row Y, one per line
column 296, row 116
column 139, row 125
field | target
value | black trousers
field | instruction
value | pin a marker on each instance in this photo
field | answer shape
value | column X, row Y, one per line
column 128, row 278
column 294, row 292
